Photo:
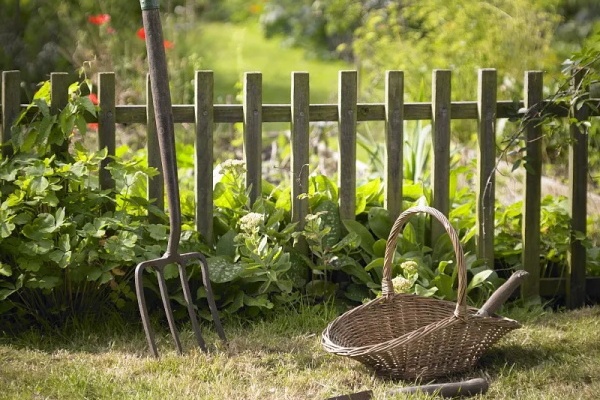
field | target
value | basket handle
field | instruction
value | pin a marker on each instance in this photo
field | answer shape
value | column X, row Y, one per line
column 390, row 249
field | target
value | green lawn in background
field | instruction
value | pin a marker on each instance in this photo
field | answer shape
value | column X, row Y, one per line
column 230, row 50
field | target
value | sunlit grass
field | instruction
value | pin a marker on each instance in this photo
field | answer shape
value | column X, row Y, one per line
column 554, row 356
column 230, row 50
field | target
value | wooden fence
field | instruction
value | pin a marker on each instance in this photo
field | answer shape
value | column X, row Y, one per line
column 347, row 113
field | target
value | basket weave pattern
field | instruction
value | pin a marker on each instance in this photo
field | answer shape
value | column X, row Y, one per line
column 410, row 337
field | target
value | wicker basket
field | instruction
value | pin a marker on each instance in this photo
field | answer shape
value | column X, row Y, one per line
column 411, row 337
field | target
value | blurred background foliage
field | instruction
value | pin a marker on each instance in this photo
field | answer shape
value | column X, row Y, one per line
column 37, row 36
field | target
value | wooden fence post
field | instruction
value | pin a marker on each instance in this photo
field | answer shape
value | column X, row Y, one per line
column 486, row 164
column 441, row 118
column 530, row 289
column 106, row 125
column 347, row 105
column 394, row 141
column 253, row 133
column 11, row 104
column 578, row 174
column 300, row 145
column 204, row 158
column 156, row 186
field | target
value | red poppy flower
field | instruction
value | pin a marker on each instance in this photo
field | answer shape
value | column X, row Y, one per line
column 141, row 33
column 99, row 19
column 168, row 44
column 93, row 126
column 93, row 98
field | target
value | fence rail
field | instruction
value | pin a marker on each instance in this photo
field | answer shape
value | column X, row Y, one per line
column 347, row 113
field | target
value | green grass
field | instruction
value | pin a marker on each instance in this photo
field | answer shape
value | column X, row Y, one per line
column 230, row 50
column 554, row 356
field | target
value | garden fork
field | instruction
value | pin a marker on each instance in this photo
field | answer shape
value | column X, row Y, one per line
column 165, row 130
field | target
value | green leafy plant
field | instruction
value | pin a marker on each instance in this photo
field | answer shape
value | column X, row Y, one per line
column 68, row 246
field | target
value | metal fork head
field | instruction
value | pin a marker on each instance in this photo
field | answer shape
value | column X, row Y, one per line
column 159, row 265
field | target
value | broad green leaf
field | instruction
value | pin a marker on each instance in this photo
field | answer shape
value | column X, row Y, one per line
column 40, row 227
column 357, row 271
column 356, row 292
column 370, row 191
column 376, row 263
column 479, row 278
column 445, row 285
column 412, row 191
column 5, row 269
column 29, row 264
column 422, row 291
column 45, row 282
column 379, row 247
column 361, row 204
column 222, row 270
column 366, row 239
column 157, row 232
column 226, row 245
column 171, row 271
column 237, row 303
column 380, row 222
column 330, row 219
column 6, row 228
column 41, row 246
column 38, row 185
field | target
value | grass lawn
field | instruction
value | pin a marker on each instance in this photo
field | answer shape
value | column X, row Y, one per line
column 231, row 49
column 555, row 356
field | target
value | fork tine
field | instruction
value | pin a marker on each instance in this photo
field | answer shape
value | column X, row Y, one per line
column 211, row 298
column 190, row 307
column 139, row 289
column 162, row 284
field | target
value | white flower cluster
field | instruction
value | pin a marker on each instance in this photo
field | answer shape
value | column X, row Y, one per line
column 401, row 284
column 410, row 267
column 251, row 222
column 237, row 167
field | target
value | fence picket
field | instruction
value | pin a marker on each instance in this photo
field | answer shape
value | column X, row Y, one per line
column 156, row 186
column 253, row 132
column 578, row 174
column 394, row 140
column 204, row 157
column 106, row 125
column 348, row 92
column 11, row 106
column 530, row 289
column 300, row 101
column 486, row 164
column 440, row 122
